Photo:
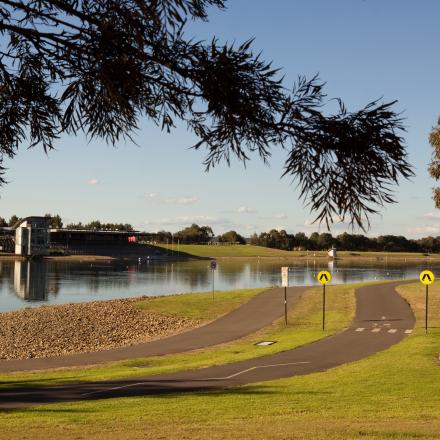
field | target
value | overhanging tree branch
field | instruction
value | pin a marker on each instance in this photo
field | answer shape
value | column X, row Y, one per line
column 97, row 66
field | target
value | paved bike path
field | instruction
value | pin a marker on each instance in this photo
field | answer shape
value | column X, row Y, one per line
column 382, row 319
column 260, row 311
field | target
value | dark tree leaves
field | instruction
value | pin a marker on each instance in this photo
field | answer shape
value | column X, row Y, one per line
column 100, row 66
column 434, row 166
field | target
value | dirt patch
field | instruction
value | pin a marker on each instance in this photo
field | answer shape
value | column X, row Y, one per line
column 77, row 328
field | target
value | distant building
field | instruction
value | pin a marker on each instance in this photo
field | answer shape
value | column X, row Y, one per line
column 83, row 238
column 32, row 236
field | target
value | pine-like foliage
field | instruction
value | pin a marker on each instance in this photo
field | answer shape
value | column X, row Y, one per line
column 99, row 66
column 434, row 166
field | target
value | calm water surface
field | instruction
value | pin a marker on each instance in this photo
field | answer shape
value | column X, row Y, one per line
column 25, row 284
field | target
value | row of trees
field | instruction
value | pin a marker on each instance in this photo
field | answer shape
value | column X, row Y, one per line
column 193, row 234
column 196, row 234
column 12, row 220
column 55, row 221
column 349, row 242
column 96, row 225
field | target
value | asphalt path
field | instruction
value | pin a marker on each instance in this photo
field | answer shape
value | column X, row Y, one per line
column 382, row 319
column 258, row 312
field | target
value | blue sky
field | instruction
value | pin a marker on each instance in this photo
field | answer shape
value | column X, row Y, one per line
column 362, row 49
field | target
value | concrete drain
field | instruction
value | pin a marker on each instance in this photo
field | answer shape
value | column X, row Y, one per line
column 264, row 343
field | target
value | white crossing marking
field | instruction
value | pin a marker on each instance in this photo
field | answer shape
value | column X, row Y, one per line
column 408, row 332
column 384, row 317
column 202, row 379
column 360, row 329
column 387, row 324
column 392, row 330
column 254, row 368
column 376, row 329
column 112, row 389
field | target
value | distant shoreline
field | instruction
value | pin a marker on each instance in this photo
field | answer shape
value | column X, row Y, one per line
column 320, row 255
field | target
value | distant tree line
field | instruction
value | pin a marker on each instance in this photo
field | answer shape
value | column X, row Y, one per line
column 194, row 234
column 55, row 221
column 96, row 225
column 280, row 239
column 12, row 220
column 347, row 242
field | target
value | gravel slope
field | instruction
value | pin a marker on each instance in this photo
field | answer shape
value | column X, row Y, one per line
column 77, row 328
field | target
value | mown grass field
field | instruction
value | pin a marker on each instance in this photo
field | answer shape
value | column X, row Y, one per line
column 250, row 251
column 234, row 250
column 205, row 306
column 394, row 394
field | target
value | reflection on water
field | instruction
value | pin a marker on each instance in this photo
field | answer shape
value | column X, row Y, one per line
column 30, row 280
column 27, row 283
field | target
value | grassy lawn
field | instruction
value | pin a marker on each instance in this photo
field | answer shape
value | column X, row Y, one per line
column 394, row 394
column 234, row 250
column 199, row 305
column 250, row 251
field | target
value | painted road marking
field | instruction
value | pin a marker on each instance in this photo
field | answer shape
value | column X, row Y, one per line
column 387, row 324
column 210, row 378
column 392, row 330
column 113, row 389
column 360, row 329
column 254, row 368
column 376, row 329
column 408, row 332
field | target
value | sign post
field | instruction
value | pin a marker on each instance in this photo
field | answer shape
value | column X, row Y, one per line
column 213, row 266
column 285, row 284
column 323, row 277
column 426, row 277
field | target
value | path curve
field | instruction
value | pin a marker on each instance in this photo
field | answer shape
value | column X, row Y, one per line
column 382, row 319
column 260, row 311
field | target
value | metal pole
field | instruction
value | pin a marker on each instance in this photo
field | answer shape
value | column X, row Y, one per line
column 285, row 305
column 212, row 270
column 426, row 311
column 323, row 306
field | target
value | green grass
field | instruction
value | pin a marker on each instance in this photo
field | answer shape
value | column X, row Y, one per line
column 304, row 326
column 200, row 305
column 250, row 251
column 394, row 394
column 235, row 250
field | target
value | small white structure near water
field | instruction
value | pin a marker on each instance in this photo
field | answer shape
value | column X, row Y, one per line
column 332, row 252
column 32, row 236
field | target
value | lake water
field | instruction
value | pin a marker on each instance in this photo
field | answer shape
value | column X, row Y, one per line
column 24, row 284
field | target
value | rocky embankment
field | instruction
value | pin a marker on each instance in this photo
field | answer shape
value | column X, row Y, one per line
column 77, row 328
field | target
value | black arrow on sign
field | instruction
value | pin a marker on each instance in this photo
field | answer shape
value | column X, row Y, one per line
column 426, row 276
column 326, row 278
